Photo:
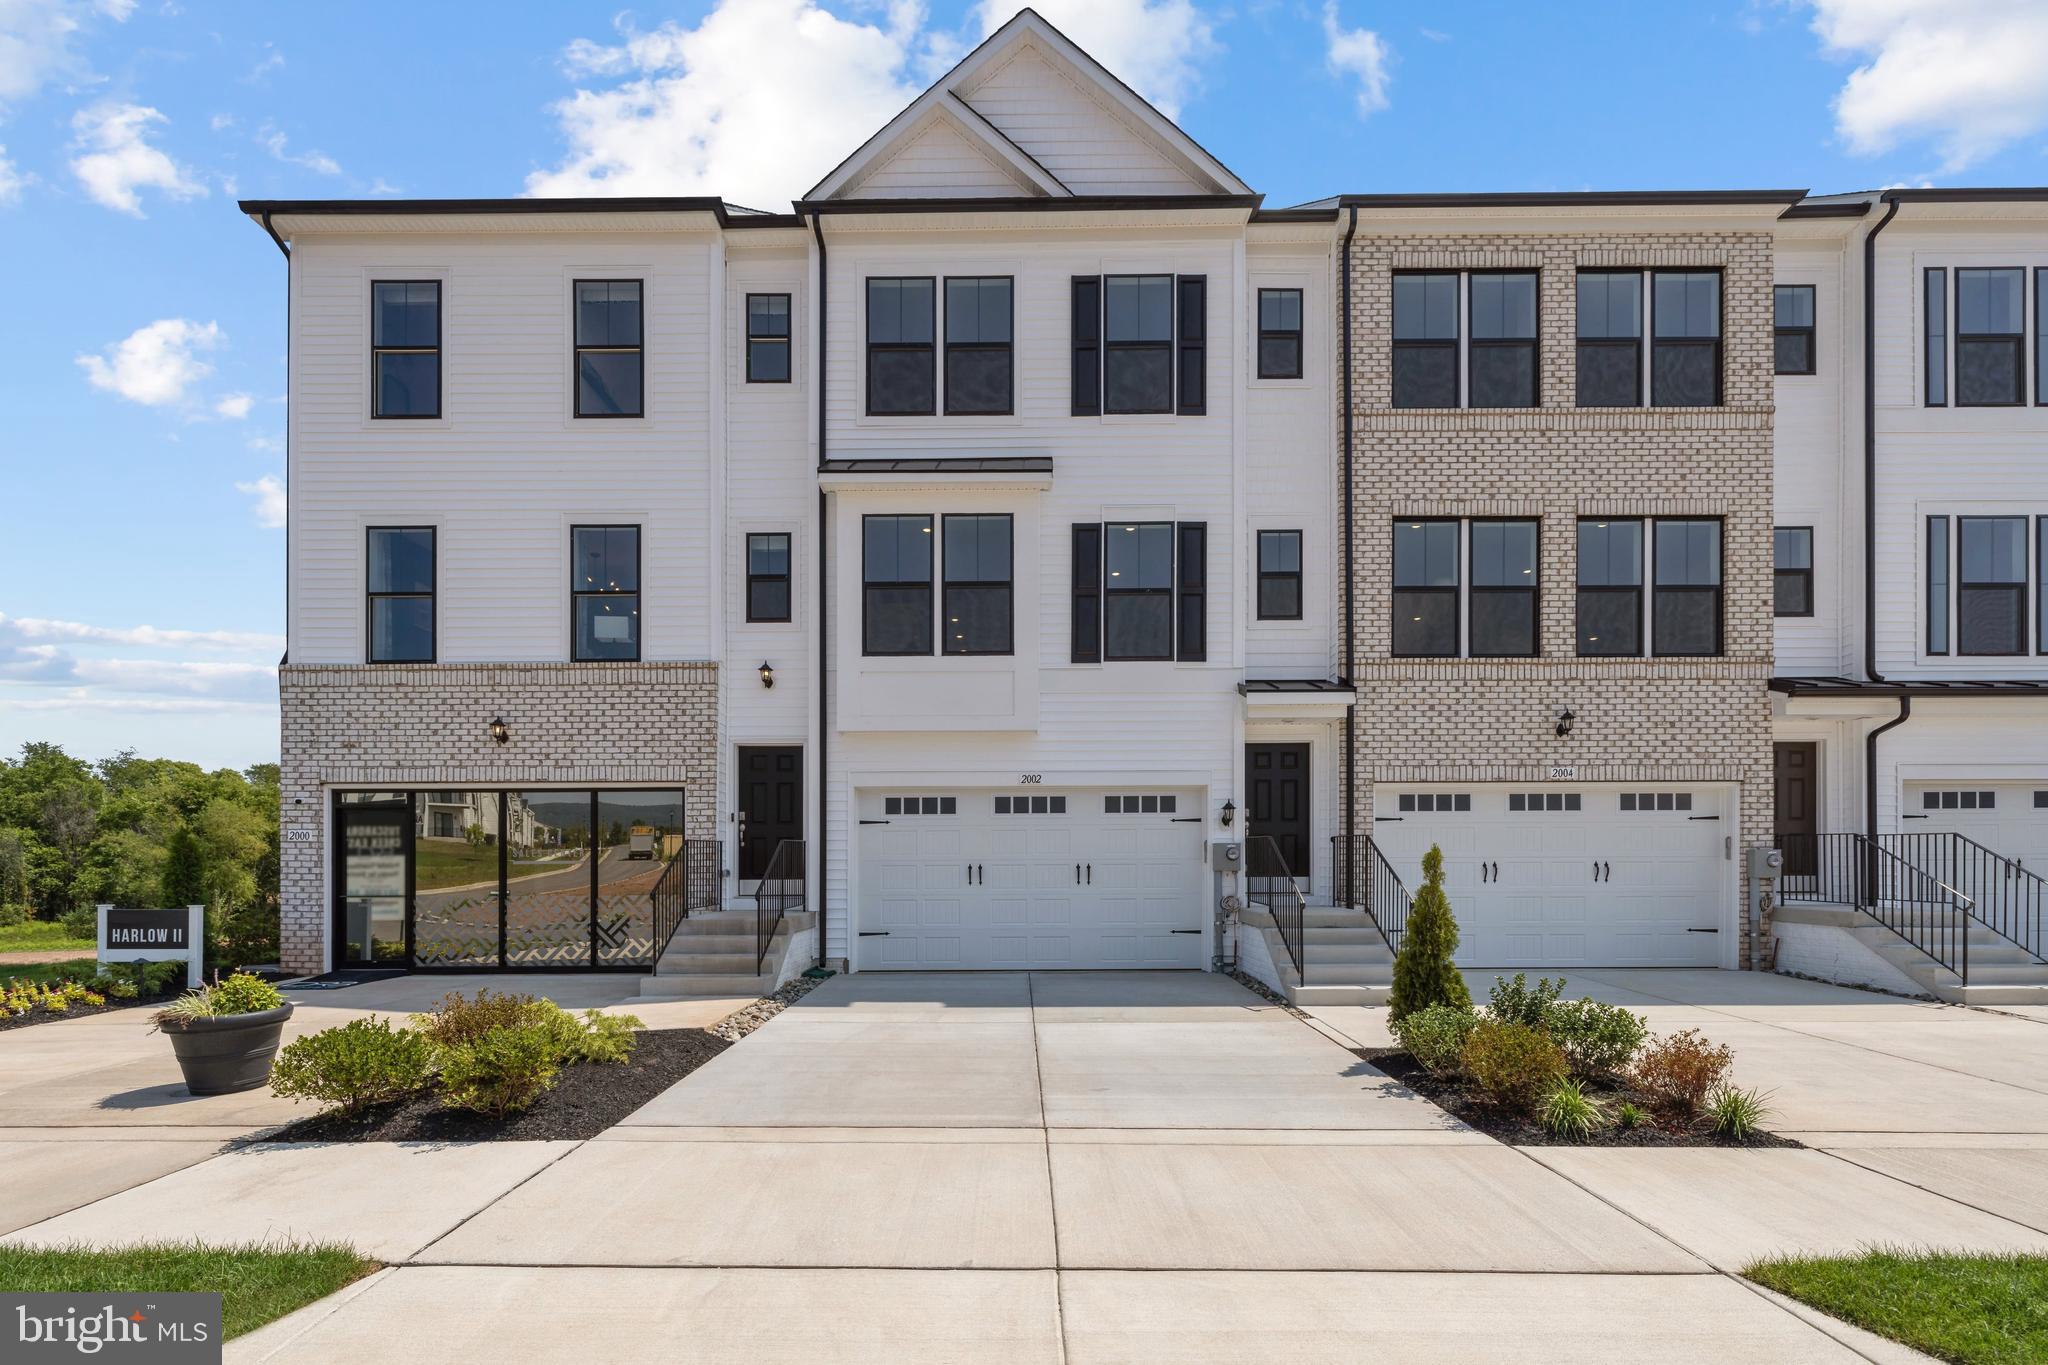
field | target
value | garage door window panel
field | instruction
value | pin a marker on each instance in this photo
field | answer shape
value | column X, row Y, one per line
column 1426, row 589
column 1503, row 589
column 1991, row 585
column 1686, row 609
column 896, row 602
column 1138, row 607
column 1610, row 596
column 979, row 591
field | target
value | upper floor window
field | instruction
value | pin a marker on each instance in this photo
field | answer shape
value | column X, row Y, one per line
column 1502, row 365
column 978, row 598
column 902, row 366
column 1977, row 578
column 1426, row 589
column 1279, row 575
column 1140, row 344
column 1503, row 608
column 604, row 591
column 1610, row 599
column 1792, row 328
column 405, row 348
column 767, row 338
column 399, row 580
column 978, row 360
column 1685, row 338
column 1279, row 334
column 1792, row 571
column 896, row 585
column 767, row 577
column 1685, row 610
column 609, row 370
column 1499, row 368
column 1934, row 329
column 1610, row 332
column 1990, row 337
column 1685, row 605
column 1140, row 591
column 1426, row 340
column 1491, row 615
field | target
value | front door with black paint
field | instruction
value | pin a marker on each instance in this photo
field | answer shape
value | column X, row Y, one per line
column 1277, row 777
column 1796, row 820
column 771, row 784
column 373, row 854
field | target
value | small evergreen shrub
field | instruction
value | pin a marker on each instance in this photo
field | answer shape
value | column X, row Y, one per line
column 1738, row 1115
column 1679, row 1072
column 354, row 1065
column 1569, row 1113
column 1630, row 1115
column 1435, row 1036
column 81, row 923
column 12, row 915
column 1512, row 1000
column 500, row 1072
column 1424, row 974
column 1598, row 1040
column 604, row 1038
column 1513, row 1065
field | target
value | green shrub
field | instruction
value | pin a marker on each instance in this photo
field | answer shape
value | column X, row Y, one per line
column 605, row 1038
column 499, row 1072
column 1512, row 1000
column 1435, row 1036
column 1598, row 1040
column 1630, row 1115
column 1679, row 1072
column 1424, row 974
column 1738, row 1115
column 237, row 994
column 354, row 1065
column 120, row 988
column 83, row 922
column 11, row 915
column 1568, row 1112
column 460, row 1019
column 1513, row 1065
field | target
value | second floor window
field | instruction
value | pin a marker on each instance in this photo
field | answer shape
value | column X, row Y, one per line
column 609, row 373
column 1792, row 328
column 978, row 597
column 1139, row 591
column 400, row 585
column 1426, row 340
column 1685, row 602
column 1792, row 571
column 1279, row 575
column 1440, row 615
column 902, row 365
column 896, row 585
column 978, row 351
column 1503, row 611
column 1977, row 579
column 1137, row 361
column 1685, row 338
column 1685, row 608
column 1610, row 332
column 1610, row 597
column 1990, row 338
column 1502, row 364
column 767, row 338
column 1279, row 334
column 604, row 592
column 405, row 348
column 768, row 577
column 1425, row 589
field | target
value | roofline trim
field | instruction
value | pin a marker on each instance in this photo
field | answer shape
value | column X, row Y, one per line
column 1575, row 199
column 365, row 208
column 1007, row 204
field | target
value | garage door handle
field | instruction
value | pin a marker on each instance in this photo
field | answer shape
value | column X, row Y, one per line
column 1607, row 872
column 874, row 933
column 1496, row 871
column 1077, row 874
column 1091, row 874
column 1184, row 931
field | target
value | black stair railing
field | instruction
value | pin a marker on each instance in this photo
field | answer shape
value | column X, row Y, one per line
column 1366, row 881
column 780, row 890
column 1848, row 869
column 1269, row 883
column 2005, row 897
column 688, row 884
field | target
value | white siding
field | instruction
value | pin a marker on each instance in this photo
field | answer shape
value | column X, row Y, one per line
column 1070, row 131
column 1813, row 465
column 938, row 161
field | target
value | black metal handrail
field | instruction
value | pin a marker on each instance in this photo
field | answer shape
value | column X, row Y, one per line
column 1269, row 883
column 689, row 882
column 781, row 887
column 2004, row 896
column 1366, row 881
column 1848, row 869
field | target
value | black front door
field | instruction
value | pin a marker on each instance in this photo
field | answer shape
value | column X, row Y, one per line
column 1796, row 820
column 372, row 861
column 771, row 803
column 1278, row 778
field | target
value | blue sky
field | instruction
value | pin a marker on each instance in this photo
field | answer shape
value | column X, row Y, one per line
column 141, row 572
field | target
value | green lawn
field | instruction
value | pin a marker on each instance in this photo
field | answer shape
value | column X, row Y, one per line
column 1976, row 1310
column 41, row 936
column 72, row 969
column 448, row 862
column 256, row 1283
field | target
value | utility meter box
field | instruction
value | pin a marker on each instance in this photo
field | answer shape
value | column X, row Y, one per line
column 1766, row 862
column 1226, row 856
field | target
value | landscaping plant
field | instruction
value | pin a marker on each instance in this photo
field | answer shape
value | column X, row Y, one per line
column 1679, row 1072
column 354, row 1065
column 1512, row 1000
column 1424, row 974
column 1598, row 1040
column 237, row 994
column 1737, row 1115
column 1568, row 1112
column 1435, row 1036
column 499, row 1072
column 1513, row 1065
column 1628, row 1115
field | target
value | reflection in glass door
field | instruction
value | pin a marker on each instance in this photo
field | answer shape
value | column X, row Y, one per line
column 373, row 843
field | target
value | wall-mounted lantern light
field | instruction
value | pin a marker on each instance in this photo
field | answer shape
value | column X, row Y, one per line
column 767, row 675
column 1564, row 723
column 1229, row 813
column 500, row 731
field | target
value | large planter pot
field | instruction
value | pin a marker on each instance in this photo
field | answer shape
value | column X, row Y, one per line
column 233, row 1052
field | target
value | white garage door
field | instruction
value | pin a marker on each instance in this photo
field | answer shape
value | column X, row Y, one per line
column 1044, row 879
column 1584, row 876
column 2009, row 818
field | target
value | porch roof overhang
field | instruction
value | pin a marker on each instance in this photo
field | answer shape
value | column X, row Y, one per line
column 962, row 471
column 1296, row 698
column 1930, row 687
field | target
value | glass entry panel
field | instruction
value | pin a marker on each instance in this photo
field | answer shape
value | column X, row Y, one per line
column 456, row 853
column 547, row 886
column 639, row 834
column 371, row 920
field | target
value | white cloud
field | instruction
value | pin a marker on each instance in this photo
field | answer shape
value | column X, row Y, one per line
column 1359, row 53
column 1965, row 74
column 220, row 123
column 154, row 365
column 115, row 158
column 234, row 406
column 318, row 162
column 269, row 494
column 12, row 181
column 29, row 658
column 35, row 629
column 78, row 699
column 38, row 41
column 1157, row 47
column 267, row 445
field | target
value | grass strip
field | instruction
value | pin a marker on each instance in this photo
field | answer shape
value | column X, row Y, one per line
column 257, row 1283
column 1971, row 1309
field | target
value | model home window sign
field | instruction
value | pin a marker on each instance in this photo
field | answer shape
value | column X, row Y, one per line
column 154, row 936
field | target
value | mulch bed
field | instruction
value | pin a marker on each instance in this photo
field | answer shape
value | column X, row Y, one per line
column 1464, row 1103
column 43, row 1016
column 587, row 1098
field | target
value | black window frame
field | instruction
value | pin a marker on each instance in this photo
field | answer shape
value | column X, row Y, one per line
column 764, row 339
column 1934, row 392
column 1715, row 344
column 1454, row 591
column 2016, row 338
column 1187, row 593
column 1191, row 345
column 1265, row 575
column 1185, row 346
column 929, row 349
column 2023, row 588
column 869, row 585
column 432, row 596
column 1718, row 590
column 1111, row 592
column 2041, row 336
column 1533, row 591
column 2039, row 565
column 1167, row 345
column 1007, row 583
column 1293, row 335
column 1633, row 344
column 1084, row 392
column 377, row 412
column 1938, row 572
column 1399, row 345
column 1191, row 591
column 577, row 595
column 1803, row 575
column 1638, row 592
column 577, row 347
column 1810, row 332
column 1007, row 348
column 1474, row 344
column 785, row 578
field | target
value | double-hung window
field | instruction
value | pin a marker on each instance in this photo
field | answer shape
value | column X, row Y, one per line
column 1792, row 328
column 1610, row 578
column 902, row 364
column 767, row 338
column 1503, row 593
column 1982, row 588
column 1685, row 338
column 1140, row 344
column 1425, row 589
column 1426, row 339
column 1279, row 575
column 1685, row 605
column 767, row 577
column 1498, row 366
column 1610, row 339
column 604, row 591
column 405, row 348
column 1491, row 613
column 400, row 587
column 609, row 361
column 978, row 360
column 1990, row 337
column 1140, row 591
column 1501, row 366
column 1792, row 571
column 978, row 596
column 896, row 585
column 1279, row 334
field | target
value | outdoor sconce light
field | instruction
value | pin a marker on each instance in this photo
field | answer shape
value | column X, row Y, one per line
column 1229, row 813
column 1564, row 723
column 767, row 675
column 500, row 731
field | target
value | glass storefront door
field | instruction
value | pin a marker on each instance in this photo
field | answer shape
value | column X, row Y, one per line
column 376, row 848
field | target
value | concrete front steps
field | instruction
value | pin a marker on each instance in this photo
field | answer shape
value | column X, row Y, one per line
column 2001, row 972
column 716, row 954
column 1346, row 961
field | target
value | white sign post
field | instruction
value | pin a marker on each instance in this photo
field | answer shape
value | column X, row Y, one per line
column 155, row 936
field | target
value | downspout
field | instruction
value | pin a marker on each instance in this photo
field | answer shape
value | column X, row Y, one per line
column 1350, row 582
column 1870, row 766
column 824, row 610
column 1870, row 451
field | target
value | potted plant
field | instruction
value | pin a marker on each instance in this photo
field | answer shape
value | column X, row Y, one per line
column 226, row 1035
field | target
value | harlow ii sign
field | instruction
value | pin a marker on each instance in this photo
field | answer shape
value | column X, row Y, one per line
column 155, row 936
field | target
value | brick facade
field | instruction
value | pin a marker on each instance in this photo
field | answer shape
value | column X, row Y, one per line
column 637, row 724
column 1638, row 719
